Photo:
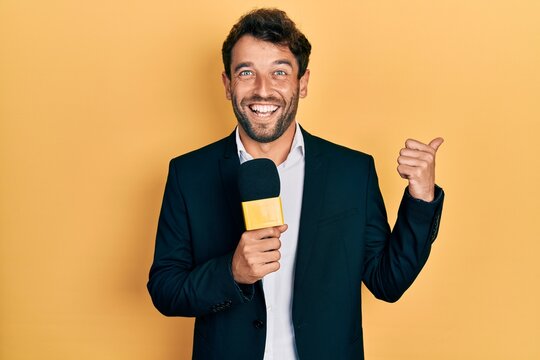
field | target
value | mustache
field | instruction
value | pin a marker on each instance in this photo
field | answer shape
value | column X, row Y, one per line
column 258, row 98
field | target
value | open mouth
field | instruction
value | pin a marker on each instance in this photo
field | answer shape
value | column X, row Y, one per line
column 263, row 110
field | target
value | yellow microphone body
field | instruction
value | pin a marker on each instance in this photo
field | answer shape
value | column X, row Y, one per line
column 263, row 213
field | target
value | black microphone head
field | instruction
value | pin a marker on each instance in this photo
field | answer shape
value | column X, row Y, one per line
column 258, row 179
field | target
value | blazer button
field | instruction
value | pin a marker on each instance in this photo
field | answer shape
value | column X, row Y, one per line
column 258, row 324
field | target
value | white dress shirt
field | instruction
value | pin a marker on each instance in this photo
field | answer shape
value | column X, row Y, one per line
column 278, row 286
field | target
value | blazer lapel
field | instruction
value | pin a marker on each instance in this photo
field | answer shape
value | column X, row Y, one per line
column 312, row 202
column 229, row 165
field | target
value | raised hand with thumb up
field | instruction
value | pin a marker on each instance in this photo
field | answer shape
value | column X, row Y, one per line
column 417, row 164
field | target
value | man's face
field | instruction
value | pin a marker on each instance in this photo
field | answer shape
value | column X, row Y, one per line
column 264, row 87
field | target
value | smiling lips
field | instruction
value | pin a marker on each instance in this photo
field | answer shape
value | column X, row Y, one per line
column 263, row 110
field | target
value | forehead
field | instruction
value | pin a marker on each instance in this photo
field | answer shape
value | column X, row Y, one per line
column 259, row 52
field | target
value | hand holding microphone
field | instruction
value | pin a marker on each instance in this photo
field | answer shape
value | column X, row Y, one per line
column 257, row 253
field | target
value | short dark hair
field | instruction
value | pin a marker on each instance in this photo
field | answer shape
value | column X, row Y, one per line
column 272, row 25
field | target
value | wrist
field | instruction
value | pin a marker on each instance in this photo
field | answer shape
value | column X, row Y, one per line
column 427, row 196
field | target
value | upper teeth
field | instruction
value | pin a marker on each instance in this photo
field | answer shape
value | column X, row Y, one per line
column 263, row 108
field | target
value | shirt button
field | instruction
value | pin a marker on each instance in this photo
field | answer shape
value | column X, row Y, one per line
column 258, row 324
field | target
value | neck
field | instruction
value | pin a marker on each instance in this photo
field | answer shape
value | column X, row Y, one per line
column 277, row 150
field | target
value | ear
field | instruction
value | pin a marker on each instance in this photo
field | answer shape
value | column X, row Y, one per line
column 304, row 84
column 227, row 85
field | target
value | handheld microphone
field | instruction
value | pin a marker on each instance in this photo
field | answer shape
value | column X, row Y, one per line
column 258, row 182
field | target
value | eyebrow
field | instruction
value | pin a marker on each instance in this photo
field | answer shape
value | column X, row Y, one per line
column 250, row 64
column 242, row 65
column 283, row 62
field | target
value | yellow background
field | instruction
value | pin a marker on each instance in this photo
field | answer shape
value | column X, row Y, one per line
column 97, row 96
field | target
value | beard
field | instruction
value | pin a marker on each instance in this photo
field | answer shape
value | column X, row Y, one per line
column 266, row 133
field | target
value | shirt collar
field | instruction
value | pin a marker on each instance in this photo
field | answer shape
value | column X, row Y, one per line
column 297, row 149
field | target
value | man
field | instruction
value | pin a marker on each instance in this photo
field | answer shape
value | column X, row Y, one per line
column 293, row 291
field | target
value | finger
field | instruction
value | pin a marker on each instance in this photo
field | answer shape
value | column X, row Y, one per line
column 254, row 247
column 270, row 256
column 417, row 145
column 270, row 232
column 407, row 172
column 412, row 161
column 270, row 244
column 417, row 154
column 282, row 228
column 269, row 268
column 260, row 259
column 435, row 143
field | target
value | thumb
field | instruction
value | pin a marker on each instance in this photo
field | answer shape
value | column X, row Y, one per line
column 435, row 143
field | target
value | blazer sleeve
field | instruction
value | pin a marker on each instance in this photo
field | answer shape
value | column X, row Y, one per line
column 394, row 259
column 178, row 286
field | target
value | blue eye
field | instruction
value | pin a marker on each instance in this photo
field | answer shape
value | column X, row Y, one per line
column 280, row 72
column 246, row 72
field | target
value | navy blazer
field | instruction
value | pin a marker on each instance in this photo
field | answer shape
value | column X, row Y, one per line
column 344, row 240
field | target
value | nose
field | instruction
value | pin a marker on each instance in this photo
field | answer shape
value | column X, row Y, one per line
column 263, row 86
